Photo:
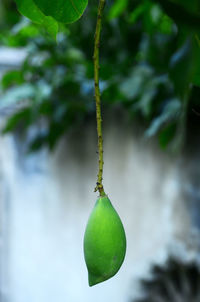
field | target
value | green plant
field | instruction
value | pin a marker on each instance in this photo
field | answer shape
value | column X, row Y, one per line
column 112, row 252
column 148, row 77
column 156, row 78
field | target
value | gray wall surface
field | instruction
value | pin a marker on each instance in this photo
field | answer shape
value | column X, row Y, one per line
column 46, row 200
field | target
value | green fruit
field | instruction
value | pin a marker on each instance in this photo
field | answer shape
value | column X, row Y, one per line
column 104, row 242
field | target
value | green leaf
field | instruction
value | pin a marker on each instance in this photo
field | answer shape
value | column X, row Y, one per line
column 30, row 10
column 23, row 116
column 11, row 77
column 117, row 8
column 181, row 68
column 65, row 11
column 51, row 26
column 196, row 62
column 37, row 143
column 185, row 66
column 167, row 135
column 170, row 112
column 137, row 12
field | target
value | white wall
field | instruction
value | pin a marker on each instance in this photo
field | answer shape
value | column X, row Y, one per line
column 49, row 198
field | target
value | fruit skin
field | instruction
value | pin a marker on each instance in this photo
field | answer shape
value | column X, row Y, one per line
column 104, row 242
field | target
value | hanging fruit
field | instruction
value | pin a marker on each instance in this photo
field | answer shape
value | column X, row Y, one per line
column 104, row 242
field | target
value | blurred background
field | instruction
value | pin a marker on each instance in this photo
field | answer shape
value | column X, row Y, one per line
column 150, row 82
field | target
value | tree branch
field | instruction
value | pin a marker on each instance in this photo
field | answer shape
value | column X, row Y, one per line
column 99, row 185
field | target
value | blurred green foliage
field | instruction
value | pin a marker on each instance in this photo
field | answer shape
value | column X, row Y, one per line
column 150, row 65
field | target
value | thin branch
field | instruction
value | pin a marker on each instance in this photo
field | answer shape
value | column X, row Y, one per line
column 99, row 185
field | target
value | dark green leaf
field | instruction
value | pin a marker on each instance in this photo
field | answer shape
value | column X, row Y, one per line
column 196, row 62
column 181, row 68
column 137, row 12
column 37, row 143
column 65, row 11
column 10, row 78
column 117, row 8
column 23, row 116
column 171, row 111
column 167, row 135
column 29, row 9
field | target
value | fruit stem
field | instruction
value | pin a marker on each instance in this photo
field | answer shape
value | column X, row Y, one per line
column 99, row 185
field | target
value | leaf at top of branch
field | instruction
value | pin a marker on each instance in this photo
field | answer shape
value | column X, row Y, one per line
column 29, row 9
column 65, row 11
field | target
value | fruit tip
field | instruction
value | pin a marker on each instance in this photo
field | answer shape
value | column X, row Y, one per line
column 93, row 280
